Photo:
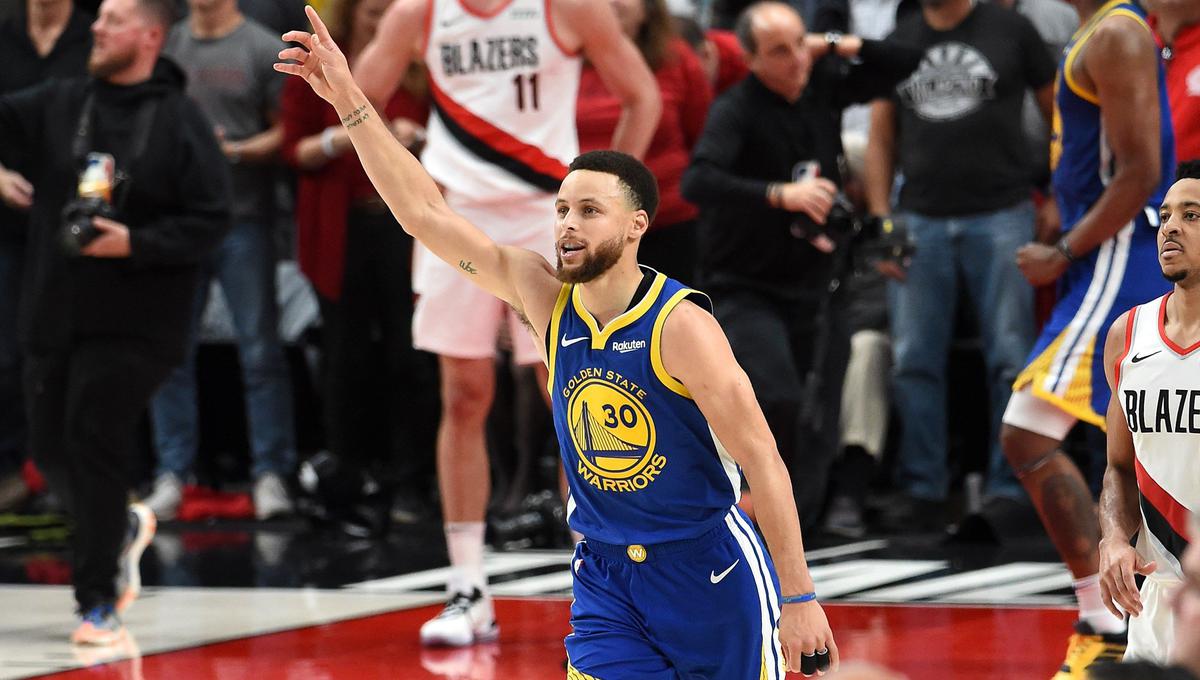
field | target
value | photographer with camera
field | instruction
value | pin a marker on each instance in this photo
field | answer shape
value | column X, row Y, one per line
column 766, row 176
column 131, row 192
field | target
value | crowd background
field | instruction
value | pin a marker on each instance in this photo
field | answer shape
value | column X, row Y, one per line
column 304, row 394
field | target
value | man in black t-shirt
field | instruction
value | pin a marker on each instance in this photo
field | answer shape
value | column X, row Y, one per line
column 953, row 130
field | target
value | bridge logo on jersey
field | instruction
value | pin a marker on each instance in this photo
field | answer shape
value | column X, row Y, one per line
column 613, row 432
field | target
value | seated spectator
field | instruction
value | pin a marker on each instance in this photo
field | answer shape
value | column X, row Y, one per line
column 359, row 261
column 670, row 245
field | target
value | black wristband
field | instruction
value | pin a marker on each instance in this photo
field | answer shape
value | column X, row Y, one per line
column 1065, row 248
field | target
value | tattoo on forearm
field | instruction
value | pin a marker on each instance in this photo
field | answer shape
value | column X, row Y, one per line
column 353, row 114
column 358, row 121
column 466, row 267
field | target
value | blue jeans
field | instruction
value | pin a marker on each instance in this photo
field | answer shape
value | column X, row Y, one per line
column 244, row 265
column 12, row 405
column 980, row 252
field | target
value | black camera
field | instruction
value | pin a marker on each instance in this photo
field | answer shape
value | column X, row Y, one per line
column 871, row 239
column 77, row 229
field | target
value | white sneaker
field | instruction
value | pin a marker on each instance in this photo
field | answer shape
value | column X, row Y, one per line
column 142, row 526
column 271, row 497
column 466, row 619
column 166, row 496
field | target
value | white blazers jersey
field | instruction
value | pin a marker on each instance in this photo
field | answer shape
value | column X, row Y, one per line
column 504, row 101
column 1158, row 389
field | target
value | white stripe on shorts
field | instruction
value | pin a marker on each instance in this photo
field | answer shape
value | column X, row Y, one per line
column 771, row 654
column 1102, row 290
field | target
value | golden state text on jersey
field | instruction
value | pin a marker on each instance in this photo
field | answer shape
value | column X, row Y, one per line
column 642, row 463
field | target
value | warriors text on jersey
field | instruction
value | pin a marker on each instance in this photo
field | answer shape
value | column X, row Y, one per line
column 642, row 463
column 504, row 95
column 1158, row 390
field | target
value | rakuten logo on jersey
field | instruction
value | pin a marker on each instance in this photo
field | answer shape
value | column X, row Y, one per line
column 628, row 345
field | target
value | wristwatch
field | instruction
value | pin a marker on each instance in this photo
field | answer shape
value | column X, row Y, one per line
column 832, row 38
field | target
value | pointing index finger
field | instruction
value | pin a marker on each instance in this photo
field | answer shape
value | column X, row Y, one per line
column 318, row 25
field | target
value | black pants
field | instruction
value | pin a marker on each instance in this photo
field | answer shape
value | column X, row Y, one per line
column 774, row 340
column 362, row 388
column 85, row 405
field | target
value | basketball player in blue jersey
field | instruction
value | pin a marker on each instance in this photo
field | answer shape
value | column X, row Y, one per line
column 1112, row 157
column 653, row 414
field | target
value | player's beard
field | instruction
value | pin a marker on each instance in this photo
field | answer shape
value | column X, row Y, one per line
column 607, row 254
column 1176, row 276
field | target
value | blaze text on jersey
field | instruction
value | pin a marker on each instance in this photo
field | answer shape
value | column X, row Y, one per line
column 1176, row 411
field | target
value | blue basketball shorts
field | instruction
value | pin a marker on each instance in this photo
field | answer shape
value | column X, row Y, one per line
column 1066, row 366
column 701, row 608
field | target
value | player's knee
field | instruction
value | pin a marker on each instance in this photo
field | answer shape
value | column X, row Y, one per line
column 466, row 400
column 1015, row 445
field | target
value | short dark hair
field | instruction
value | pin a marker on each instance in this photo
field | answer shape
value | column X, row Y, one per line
column 743, row 31
column 161, row 12
column 1189, row 169
column 636, row 180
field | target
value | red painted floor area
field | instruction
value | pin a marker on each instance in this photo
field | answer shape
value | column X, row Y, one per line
column 930, row 643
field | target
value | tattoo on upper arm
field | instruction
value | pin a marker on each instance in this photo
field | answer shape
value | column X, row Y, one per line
column 465, row 265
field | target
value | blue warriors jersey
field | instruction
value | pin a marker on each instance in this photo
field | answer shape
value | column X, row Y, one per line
column 642, row 464
column 1079, row 154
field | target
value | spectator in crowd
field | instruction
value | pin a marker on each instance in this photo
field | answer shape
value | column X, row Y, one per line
column 1177, row 25
column 359, row 261
column 228, row 58
column 670, row 245
column 100, row 331
column 43, row 39
column 766, row 172
column 968, row 213
column 720, row 54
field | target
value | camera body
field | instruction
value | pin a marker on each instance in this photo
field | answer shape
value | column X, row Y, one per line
column 93, row 199
column 870, row 239
column 77, row 230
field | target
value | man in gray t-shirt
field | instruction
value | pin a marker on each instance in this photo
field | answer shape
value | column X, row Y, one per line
column 228, row 60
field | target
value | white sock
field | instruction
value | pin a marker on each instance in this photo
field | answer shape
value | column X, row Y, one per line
column 1092, row 610
column 464, row 540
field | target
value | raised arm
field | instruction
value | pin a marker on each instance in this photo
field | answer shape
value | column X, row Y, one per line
column 380, row 68
column 520, row 277
column 1119, row 514
column 696, row 352
column 619, row 65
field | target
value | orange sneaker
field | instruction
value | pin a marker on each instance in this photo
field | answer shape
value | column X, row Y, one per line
column 142, row 526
